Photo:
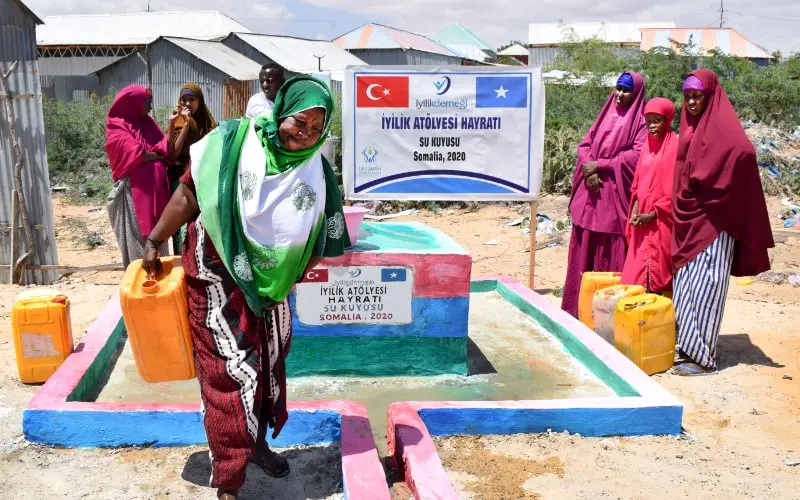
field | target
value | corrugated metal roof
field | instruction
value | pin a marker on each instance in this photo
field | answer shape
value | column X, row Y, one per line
column 514, row 50
column 221, row 57
column 457, row 34
column 135, row 29
column 29, row 11
column 726, row 40
column 556, row 34
column 298, row 54
column 377, row 36
column 468, row 51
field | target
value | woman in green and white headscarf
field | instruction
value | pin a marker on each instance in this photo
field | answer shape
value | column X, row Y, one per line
column 260, row 201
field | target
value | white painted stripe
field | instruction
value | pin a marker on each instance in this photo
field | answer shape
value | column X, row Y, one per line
column 235, row 364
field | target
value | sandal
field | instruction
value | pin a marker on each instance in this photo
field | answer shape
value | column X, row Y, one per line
column 681, row 357
column 271, row 463
column 691, row 370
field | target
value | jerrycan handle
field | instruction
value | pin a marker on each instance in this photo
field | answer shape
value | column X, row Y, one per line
column 643, row 301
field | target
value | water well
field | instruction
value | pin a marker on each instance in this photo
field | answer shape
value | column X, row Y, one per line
column 396, row 334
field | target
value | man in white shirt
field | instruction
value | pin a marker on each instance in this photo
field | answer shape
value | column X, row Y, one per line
column 271, row 78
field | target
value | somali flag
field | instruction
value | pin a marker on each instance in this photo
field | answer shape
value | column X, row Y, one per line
column 501, row 91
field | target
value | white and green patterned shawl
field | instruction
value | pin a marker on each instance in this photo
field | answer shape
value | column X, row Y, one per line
column 264, row 207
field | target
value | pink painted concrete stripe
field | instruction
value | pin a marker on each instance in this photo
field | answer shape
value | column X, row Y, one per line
column 435, row 276
column 56, row 390
column 411, row 445
column 363, row 473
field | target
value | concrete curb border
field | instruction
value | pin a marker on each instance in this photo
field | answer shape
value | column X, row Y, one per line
column 53, row 417
column 641, row 406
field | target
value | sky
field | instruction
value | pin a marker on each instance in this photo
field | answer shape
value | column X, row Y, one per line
column 773, row 24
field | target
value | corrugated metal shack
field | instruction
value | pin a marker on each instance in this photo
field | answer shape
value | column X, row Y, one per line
column 72, row 48
column 381, row 45
column 227, row 78
column 546, row 40
column 18, row 44
column 296, row 55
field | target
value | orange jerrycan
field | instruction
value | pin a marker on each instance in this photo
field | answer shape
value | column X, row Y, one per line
column 42, row 333
column 592, row 282
column 604, row 306
column 644, row 331
column 156, row 316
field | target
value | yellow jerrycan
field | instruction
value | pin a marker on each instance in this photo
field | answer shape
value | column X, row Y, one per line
column 42, row 333
column 644, row 331
column 604, row 305
column 591, row 283
column 155, row 310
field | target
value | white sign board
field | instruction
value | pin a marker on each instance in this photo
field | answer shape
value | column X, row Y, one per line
column 363, row 294
column 447, row 133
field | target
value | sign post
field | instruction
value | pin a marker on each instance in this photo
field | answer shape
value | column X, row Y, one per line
column 444, row 133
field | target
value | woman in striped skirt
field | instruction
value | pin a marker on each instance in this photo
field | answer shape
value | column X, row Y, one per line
column 721, row 220
column 261, row 203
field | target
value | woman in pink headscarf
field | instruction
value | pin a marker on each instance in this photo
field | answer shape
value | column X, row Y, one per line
column 136, row 148
column 601, row 186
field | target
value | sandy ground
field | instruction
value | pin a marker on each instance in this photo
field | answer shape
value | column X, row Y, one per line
column 741, row 425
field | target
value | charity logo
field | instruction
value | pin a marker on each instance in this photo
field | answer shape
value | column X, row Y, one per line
column 354, row 273
column 443, row 85
column 382, row 91
column 370, row 154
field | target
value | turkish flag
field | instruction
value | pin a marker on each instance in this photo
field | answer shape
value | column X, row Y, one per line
column 316, row 276
column 382, row 91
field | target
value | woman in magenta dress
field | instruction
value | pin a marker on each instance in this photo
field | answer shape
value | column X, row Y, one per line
column 136, row 149
column 721, row 221
column 601, row 186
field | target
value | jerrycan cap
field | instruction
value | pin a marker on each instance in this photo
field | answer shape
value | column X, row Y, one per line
column 150, row 286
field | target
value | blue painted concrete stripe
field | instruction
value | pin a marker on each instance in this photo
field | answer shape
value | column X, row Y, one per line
column 591, row 422
column 446, row 317
column 91, row 429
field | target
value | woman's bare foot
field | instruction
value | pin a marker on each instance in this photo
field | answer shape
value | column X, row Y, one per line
column 270, row 462
column 227, row 495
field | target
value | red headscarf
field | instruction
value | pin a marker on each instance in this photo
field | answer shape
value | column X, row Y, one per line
column 128, row 136
column 614, row 141
column 717, row 186
column 649, row 247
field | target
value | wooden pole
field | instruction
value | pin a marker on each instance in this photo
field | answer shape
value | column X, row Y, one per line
column 18, row 266
column 532, row 262
column 14, row 234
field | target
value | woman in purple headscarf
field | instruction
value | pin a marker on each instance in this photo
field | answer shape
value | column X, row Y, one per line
column 601, row 186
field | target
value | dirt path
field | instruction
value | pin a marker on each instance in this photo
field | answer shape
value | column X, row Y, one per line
column 741, row 424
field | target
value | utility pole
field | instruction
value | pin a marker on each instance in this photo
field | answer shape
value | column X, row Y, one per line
column 721, row 14
column 319, row 62
column 148, row 6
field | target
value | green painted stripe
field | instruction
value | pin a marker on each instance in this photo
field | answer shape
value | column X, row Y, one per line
column 573, row 346
column 376, row 356
column 93, row 379
column 482, row 286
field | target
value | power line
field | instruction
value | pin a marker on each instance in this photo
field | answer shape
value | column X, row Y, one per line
column 762, row 16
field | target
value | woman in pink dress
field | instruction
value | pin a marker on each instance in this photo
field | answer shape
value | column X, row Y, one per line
column 649, row 231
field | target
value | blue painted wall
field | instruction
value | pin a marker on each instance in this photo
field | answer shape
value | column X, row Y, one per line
column 90, row 429
column 447, row 317
column 591, row 422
